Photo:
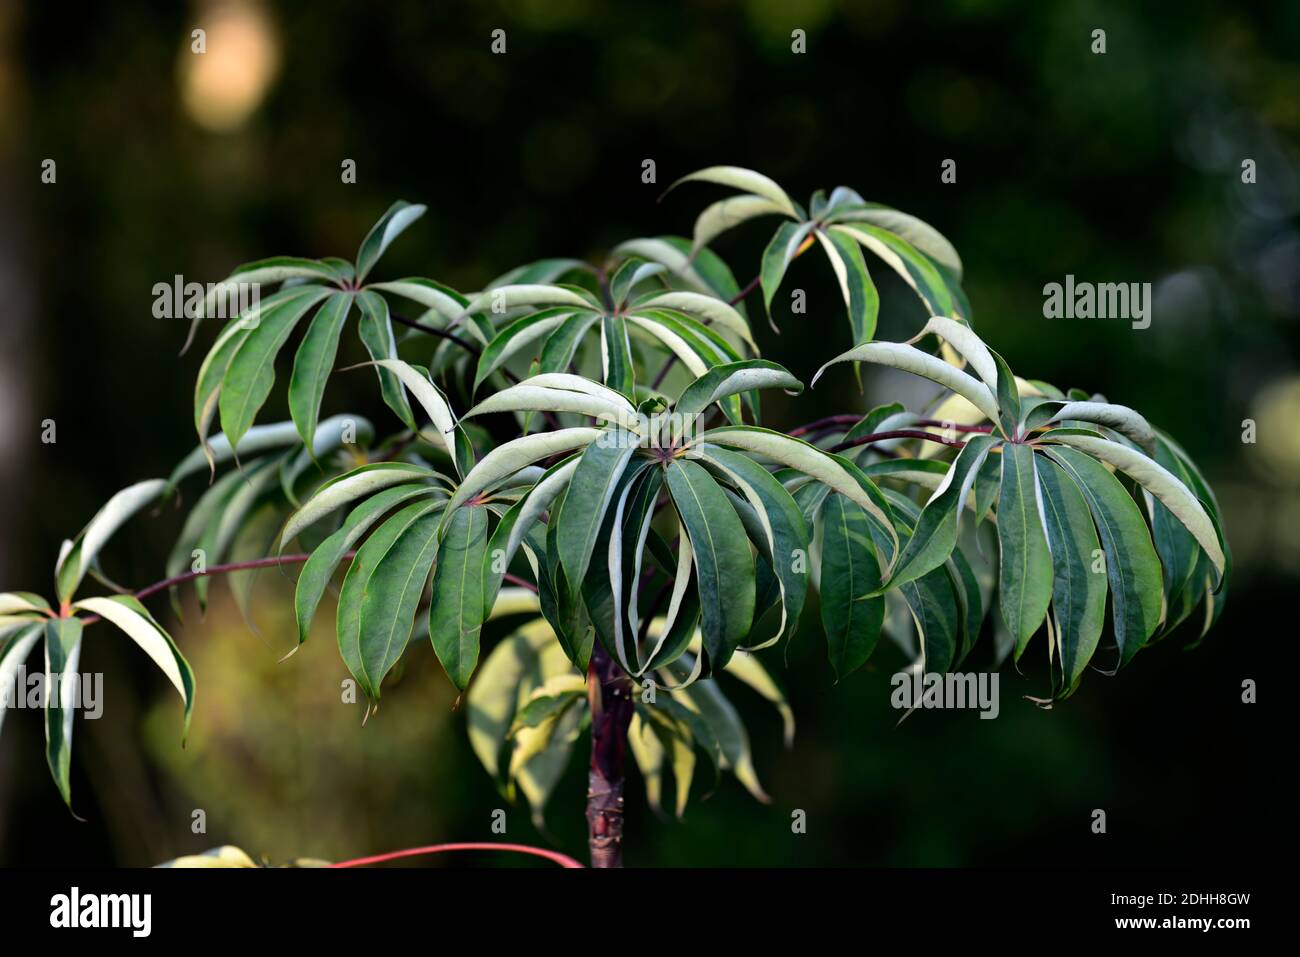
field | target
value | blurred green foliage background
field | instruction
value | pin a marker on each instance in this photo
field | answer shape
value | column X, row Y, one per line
column 1122, row 167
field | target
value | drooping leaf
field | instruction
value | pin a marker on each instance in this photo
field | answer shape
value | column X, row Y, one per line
column 251, row 373
column 935, row 534
column 785, row 538
column 1025, row 568
column 1161, row 483
column 395, row 219
column 62, row 655
column 856, row 288
column 1079, row 586
column 376, row 331
column 313, row 363
column 15, row 649
column 359, row 482
column 134, row 620
column 77, row 560
column 369, row 657
column 456, row 605
column 851, row 612
column 319, row 568
column 393, row 590
column 731, row 379
column 724, row 564
column 1132, row 567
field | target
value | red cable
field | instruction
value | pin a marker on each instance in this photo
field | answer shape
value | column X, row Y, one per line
column 553, row 856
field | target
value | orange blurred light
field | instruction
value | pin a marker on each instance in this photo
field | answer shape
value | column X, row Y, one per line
column 224, row 84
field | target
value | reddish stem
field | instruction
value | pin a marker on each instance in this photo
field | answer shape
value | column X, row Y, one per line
column 897, row 434
column 828, row 422
column 554, row 856
column 166, row 583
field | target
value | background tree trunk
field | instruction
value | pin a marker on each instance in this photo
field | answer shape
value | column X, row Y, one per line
column 609, row 691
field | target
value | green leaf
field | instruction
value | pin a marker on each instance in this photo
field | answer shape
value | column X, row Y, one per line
column 921, row 235
column 434, row 296
column 376, row 330
column 319, row 568
column 348, row 487
column 851, row 612
column 910, row 265
column 706, row 699
column 832, row 471
column 393, row 590
column 1132, row 567
column 14, row 651
column 367, row 661
column 1008, row 399
column 398, row 216
column 436, row 407
column 1078, row 592
column 935, row 535
column 1025, row 570
column 898, row 355
column 328, row 436
column 706, row 310
column 745, row 180
column 207, row 386
column 553, row 392
column 780, row 252
column 1175, row 545
column 251, row 374
column 590, row 491
column 205, row 515
column 519, row 335
column 970, row 599
column 81, row 554
column 314, row 362
column 1120, row 418
column 785, row 539
column 859, row 292
column 549, row 701
column 733, row 378
column 724, row 565
column 62, row 655
column 135, row 621
column 456, row 606
column 1161, row 483
column 616, row 355
column 506, row 459
column 721, row 216
column 518, row 521
column 560, row 346
column 937, row 617
column 746, row 667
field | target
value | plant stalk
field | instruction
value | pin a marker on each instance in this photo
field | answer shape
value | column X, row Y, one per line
column 609, row 692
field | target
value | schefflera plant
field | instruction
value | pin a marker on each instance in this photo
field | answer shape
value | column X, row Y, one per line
column 1050, row 468
column 649, row 503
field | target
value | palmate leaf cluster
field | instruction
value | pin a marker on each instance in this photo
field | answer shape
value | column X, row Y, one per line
column 580, row 452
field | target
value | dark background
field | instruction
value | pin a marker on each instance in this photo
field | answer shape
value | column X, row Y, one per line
column 1120, row 167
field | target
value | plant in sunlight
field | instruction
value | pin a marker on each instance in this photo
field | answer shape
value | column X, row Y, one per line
column 580, row 450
